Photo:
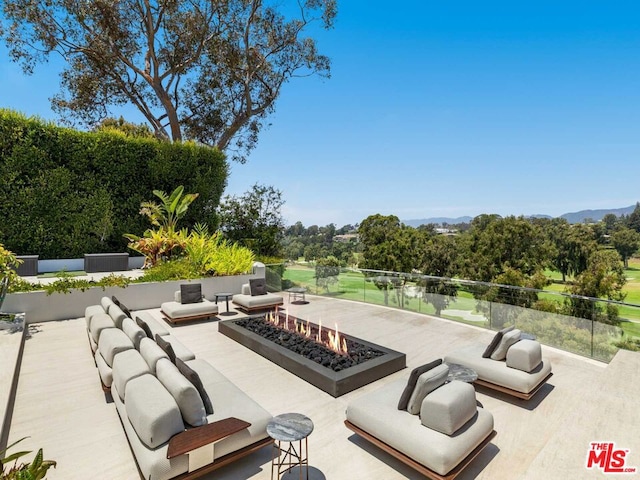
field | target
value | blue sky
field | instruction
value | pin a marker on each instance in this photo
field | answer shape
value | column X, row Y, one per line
column 445, row 109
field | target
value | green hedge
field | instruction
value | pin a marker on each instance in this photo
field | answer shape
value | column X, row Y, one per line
column 65, row 193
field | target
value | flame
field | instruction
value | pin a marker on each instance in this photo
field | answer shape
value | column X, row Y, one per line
column 332, row 339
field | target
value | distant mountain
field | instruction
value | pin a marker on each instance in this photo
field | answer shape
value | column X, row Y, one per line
column 573, row 217
column 596, row 215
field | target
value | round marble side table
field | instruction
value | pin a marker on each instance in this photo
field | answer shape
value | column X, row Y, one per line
column 461, row 373
column 291, row 428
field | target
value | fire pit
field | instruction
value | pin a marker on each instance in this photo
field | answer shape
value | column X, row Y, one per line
column 332, row 361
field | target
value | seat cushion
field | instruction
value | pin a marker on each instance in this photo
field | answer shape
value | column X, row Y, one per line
column 427, row 382
column 257, row 301
column 127, row 365
column 183, row 392
column 152, row 411
column 524, row 355
column 449, row 407
column 150, row 325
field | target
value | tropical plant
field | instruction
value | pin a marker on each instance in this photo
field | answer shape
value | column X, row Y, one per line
column 34, row 470
column 172, row 208
column 8, row 264
column 213, row 255
column 158, row 245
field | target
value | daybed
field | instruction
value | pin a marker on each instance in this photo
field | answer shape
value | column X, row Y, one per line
column 449, row 432
column 254, row 297
column 172, row 427
column 188, row 304
column 509, row 364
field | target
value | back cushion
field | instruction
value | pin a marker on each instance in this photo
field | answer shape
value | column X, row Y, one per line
column 117, row 315
column 133, row 331
column 449, row 407
column 151, row 353
column 508, row 339
column 106, row 302
column 246, row 289
column 183, row 392
column 190, row 293
column 152, row 411
column 258, row 286
column 427, row 382
column 413, row 379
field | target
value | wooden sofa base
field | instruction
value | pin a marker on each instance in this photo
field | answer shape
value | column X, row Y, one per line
column 190, row 318
column 418, row 466
column 514, row 393
column 260, row 308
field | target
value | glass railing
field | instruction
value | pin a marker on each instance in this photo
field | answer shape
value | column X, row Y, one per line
column 586, row 326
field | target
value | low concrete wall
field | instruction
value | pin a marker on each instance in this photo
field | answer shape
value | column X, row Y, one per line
column 41, row 307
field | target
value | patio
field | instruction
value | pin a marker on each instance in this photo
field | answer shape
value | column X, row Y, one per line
column 59, row 402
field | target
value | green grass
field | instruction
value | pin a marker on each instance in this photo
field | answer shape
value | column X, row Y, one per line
column 72, row 273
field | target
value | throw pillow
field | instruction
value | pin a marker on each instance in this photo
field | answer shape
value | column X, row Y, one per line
column 166, row 347
column 125, row 310
column 508, row 339
column 115, row 300
column 413, row 379
column 194, row 378
column 427, row 383
column 493, row 345
column 143, row 325
column 191, row 293
column 258, row 286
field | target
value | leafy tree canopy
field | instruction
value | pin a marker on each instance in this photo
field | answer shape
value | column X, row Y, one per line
column 206, row 70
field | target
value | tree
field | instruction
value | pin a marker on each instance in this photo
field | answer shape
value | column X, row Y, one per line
column 439, row 259
column 603, row 278
column 610, row 221
column 254, row 219
column 633, row 220
column 626, row 242
column 327, row 271
column 205, row 70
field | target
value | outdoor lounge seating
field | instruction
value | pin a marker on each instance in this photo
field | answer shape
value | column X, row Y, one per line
column 449, row 432
column 254, row 297
column 186, row 420
column 188, row 304
column 518, row 370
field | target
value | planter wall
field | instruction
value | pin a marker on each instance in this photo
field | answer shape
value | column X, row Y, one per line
column 41, row 307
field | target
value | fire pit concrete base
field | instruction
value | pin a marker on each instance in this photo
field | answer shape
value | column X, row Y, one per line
column 334, row 383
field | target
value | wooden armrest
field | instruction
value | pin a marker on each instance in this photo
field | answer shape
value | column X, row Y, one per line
column 191, row 439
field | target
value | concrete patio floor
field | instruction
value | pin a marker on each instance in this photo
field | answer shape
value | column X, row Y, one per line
column 60, row 405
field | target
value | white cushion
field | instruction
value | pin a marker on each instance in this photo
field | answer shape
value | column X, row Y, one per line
column 152, row 411
column 106, row 302
column 449, row 407
column 427, row 382
column 183, row 392
column 508, row 339
column 524, row 355
column 246, row 289
column 151, row 352
column 113, row 341
column 117, row 315
column 127, row 366
column 133, row 331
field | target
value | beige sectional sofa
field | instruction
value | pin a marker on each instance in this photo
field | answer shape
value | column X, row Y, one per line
column 156, row 407
column 521, row 373
column 445, row 435
column 181, row 416
column 248, row 303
